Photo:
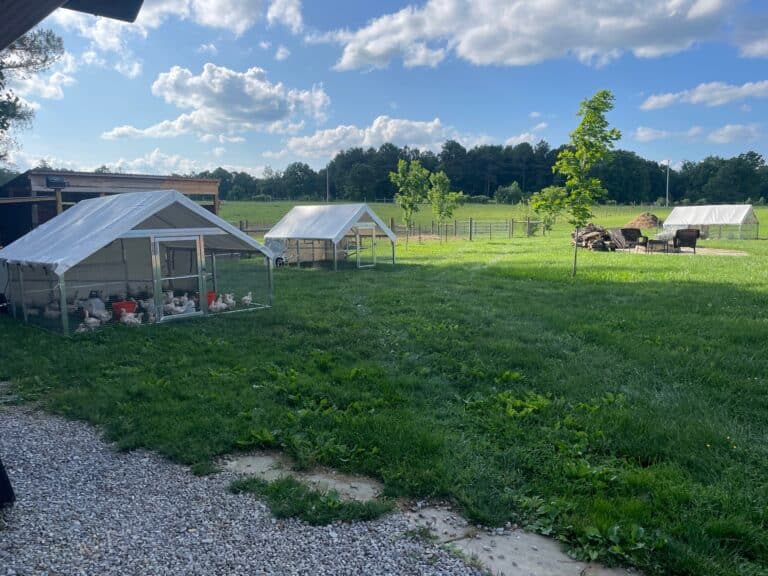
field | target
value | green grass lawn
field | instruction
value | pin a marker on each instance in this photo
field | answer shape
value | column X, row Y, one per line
column 624, row 411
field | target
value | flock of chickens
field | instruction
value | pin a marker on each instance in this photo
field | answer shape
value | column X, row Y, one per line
column 95, row 313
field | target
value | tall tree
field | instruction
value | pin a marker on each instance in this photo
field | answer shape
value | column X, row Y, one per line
column 590, row 143
column 412, row 181
column 33, row 52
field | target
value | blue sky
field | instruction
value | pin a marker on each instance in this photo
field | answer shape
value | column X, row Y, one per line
column 245, row 84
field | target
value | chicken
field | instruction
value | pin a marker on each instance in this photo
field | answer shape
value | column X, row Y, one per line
column 218, row 305
column 229, row 300
column 89, row 320
column 247, row 299
column 51, row 312
column 130, row 318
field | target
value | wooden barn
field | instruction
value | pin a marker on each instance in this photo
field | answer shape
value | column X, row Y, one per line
column 36, row 196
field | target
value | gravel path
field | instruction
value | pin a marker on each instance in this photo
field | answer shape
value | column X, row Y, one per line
column 83, row 508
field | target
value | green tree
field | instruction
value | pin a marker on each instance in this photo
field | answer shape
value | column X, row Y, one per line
column 511, row 194
column 443, row 201
column 33, row 52
column 591, row 142
column 412, row 181
column 548, row 203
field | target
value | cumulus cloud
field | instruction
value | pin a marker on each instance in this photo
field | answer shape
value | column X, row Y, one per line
column 416, row 134
column 735, row 133
column 528, row 136
column 225, row 103
column 282, row 53
column 645, row 134
column 287, row 13
column 708, row 94
column 499, row 32
column 47, row 85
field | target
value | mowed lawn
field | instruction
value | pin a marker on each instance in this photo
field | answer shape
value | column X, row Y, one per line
column 624, row 411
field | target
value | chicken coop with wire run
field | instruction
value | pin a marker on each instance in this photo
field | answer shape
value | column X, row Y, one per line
column 134, row 258
column 349, row 235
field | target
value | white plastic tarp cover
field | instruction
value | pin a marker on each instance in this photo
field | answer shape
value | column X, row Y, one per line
column 324, row 222
column 90, row 225
column 725, row 214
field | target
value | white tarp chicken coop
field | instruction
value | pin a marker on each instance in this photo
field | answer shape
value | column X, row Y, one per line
column 329, row 233
column 733, row 221
column 134, row 258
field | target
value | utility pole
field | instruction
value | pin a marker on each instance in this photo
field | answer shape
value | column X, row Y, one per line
column 327, row 184
column 666, row 205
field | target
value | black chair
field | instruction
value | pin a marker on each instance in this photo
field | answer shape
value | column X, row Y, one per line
column 686, row 238
column 633, row 237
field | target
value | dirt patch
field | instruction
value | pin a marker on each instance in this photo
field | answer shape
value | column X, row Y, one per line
column 269, row 467
column 644, row 221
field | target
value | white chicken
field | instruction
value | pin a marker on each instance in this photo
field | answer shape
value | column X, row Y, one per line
column 229, row 300
column 130, row 318
column 82, row 328
column 90, row 321
column 218, row 305
column 247, row 299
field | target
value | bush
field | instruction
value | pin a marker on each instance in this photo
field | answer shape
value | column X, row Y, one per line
column 511, row 194
column 479, row 199
column 261, row 198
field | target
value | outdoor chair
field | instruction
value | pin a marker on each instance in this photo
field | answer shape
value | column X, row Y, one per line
column 633, row 237
column 686, row 238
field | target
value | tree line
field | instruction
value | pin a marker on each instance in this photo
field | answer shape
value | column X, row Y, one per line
column 507, row 174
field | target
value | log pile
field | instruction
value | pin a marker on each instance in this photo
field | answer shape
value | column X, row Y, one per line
column 596, row 238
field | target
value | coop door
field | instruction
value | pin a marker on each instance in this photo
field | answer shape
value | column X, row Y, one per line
column 365, row 238
column 179, row 276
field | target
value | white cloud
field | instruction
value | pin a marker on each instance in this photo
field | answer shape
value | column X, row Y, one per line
column 224, row 102
column 219, row 151
column 44, row 86
column 282, row 53
column 528, row 136
column 694, row 132
column 209, row 48
column 129, row 67
column 500, row 32
column 645, row 134
column 264, row 45
column 755, row 48
column 709, row 94
column 416, row 134
column 734, row 133
column 286, row 12
column 534, row 115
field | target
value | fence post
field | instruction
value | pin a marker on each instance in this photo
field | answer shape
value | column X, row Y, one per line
column 527, row 225
column 392, row 223
column 470, row 229
column 509, row 230
column 241, row 226
column 455, row 228
column 490, row 230
column 419, row 233
column 433, row 227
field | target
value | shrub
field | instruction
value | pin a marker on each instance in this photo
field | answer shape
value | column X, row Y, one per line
column 479, row 199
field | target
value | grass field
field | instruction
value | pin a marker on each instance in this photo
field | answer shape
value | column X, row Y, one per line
column 624, row 411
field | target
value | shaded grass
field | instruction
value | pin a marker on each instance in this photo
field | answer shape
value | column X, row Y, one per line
column 289, row 498
column 623, row 412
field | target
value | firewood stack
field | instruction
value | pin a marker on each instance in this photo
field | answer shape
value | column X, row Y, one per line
column 596, row 238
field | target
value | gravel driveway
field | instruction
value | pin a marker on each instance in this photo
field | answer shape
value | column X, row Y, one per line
column 83, row 508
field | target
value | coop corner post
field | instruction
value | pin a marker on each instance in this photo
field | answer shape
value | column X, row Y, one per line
column 23, row 294
column 271, row 290
column 201, row 286
column 393, row 251
column 63, row 305
column 335, row 259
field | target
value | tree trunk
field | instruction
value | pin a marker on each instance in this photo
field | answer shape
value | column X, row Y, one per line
column 575, row 252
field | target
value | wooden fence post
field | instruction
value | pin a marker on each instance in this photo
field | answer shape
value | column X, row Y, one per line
column 455, row 228
column 528, row 226
column 470, row 229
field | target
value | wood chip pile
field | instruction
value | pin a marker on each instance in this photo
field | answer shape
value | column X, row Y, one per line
column 597, row 238
column 645, row 221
